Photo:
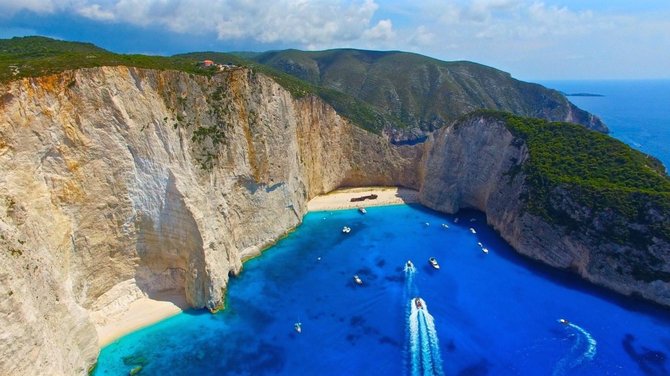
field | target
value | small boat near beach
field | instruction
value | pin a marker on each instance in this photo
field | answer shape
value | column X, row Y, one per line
column 445, row 225
column 472, row 230
column 485, row 250
column 362, row 210
column 346, row 229
column 298, row 327
column 358, row 280
column 433, row 262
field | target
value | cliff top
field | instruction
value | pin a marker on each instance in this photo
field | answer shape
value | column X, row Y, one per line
column 402, row 94
column 570, row 167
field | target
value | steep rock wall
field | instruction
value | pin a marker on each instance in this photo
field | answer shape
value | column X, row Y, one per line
column 477, row 163
column 118, row 183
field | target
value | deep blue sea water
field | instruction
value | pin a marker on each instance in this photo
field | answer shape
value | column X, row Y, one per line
column 493, row 313
column 637, row 112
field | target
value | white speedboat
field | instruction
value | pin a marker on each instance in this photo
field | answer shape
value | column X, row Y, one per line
column 358, row 280
column 485, row 250
column 417, row 303
column 409, row 264
column 480, row 244
column 362, row 210
column 472, row 230
column 298, row 327
column 433, row 262
column 346, row 229
column 564, row 321
column 445, row 225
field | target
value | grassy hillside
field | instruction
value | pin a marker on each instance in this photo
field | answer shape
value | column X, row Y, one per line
column 405, row 94
column 583, row 179
column 420, row 91
column 38, row 56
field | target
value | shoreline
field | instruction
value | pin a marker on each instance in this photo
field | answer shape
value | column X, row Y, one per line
column 145, row 311
column 340, row 199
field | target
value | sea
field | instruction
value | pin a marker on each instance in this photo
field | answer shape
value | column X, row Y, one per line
column 485, row 311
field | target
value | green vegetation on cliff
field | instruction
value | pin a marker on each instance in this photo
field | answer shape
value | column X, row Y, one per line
column 39, row 56
column 403, row 93
column 585, row 180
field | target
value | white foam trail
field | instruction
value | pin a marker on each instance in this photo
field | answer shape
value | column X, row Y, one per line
column 424, row 344
column 572, row 360
column 592, row 344
column 415, row 355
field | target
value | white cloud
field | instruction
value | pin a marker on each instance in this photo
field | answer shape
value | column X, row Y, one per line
column 301, row 22
column 383, row 31
column 95, row 12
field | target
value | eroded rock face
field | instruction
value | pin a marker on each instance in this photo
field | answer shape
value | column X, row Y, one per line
column 118, row 183
column 476, row 164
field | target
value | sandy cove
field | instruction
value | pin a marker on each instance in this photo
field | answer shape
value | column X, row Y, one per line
column 341, row 198
column 140, row 313
column 145, row 311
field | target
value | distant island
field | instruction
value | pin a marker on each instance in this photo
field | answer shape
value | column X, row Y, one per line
column 583, row 95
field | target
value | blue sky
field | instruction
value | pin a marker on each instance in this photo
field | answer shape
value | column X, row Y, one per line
column 535, row 40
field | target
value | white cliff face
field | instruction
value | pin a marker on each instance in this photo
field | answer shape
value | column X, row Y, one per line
column 118, row 183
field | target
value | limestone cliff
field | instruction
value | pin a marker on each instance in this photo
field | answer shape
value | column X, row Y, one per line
column 119, row 182
column 478, row 163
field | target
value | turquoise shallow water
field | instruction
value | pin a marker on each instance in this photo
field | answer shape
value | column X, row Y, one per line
column 492, row 313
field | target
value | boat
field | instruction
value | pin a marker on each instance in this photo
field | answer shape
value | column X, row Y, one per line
column 456, row 220
column 346, row 229
column 485, row 250
column 427, row 223
column 472, row 230
column 564, row 321
column 362, row 210
column 298, row 327
column 358, row 280
column 445, row 225
column 363, row 198
column 409, row 264
column 480, row 244
column 433, row 262
column 417, row 303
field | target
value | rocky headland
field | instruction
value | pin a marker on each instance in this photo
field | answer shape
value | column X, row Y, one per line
column 119, row 183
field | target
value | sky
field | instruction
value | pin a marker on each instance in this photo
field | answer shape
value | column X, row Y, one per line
column 533, row 40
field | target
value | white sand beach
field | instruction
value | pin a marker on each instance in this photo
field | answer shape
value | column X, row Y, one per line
column 140, row 313
column 341, row 198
